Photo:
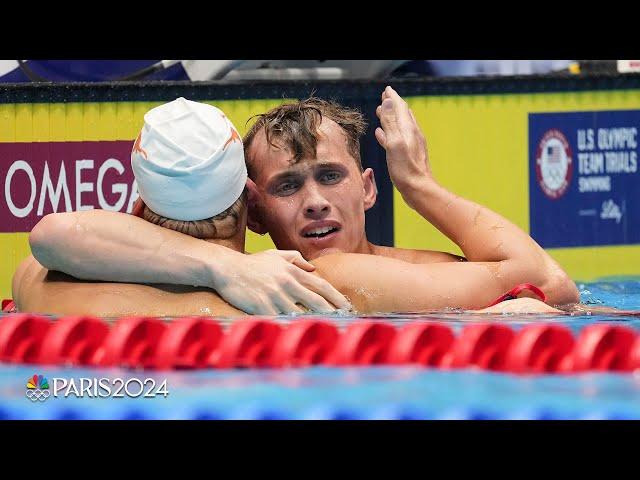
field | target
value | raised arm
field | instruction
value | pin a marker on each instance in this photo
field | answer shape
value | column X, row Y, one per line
column 110, row 246
column 483, row 235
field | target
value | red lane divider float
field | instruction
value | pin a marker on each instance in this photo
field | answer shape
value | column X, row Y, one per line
column 421, row 343
column 21, row 337
column 132, row 342
column 634, row 356
column 540, row 348
column 248, row 344
column 198, row 342
column 482, row 346
column 73, row 341
column 188, row 343
column 363, row 343
column 304, row 343
column 603, row 347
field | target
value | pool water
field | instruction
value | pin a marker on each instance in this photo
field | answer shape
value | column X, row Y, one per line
column 360, row 393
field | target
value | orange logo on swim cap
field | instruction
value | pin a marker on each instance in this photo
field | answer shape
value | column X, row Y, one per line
column 138, row 148
column 234, row 136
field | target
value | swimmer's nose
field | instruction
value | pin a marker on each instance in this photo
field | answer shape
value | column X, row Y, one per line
column 317, row 212
column 316, row 206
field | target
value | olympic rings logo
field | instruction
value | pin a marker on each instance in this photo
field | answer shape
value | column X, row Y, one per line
column 37, row 395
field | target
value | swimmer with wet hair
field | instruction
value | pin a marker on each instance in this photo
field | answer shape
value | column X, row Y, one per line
column 188, row 162
column 189, row 165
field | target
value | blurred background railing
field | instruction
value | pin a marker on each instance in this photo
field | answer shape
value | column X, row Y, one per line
column 251, row 70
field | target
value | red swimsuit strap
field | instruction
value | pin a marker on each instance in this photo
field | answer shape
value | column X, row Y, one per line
column 513, row 293
column 8, row 306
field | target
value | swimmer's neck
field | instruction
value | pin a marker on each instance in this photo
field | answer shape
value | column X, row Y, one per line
column 236, row 244
column 365, row 247
column 370, row 248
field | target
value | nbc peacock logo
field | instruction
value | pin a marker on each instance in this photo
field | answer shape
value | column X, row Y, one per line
column 37, row 388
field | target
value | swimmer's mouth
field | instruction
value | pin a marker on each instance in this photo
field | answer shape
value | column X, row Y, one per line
column 321, row 232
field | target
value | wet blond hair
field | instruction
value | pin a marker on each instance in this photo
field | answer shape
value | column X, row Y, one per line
column 295, row 127
column 219, row 227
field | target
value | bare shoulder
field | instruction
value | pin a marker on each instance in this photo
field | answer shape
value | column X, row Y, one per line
column 28, row 272
column 416, row 256
column 353, row 271
column 342, row 269
column 125, row 299
column 354, row 260
column 38, row 290
column 21, row 271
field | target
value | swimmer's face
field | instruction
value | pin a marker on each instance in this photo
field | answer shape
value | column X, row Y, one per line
column 316, row 205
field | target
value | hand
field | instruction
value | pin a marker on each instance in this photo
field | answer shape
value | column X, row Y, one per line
column 292, row 256
column 402, row 139
column 274, row 282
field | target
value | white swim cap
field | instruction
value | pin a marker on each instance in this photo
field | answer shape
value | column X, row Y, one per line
column 188, row 161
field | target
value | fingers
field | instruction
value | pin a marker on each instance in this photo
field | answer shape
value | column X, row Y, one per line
column 325, row 290
column 285, row 305
column 288, row 286
column 264, row 306
column 414, row 123
column 386, row 93
column 299, row 261
column 403, row 110
column 395, row 115
column 311, row 300
column 381, row 137
column 391, row 93
column 272, row 302
column 287, row 298
column 393, row 112
column 389, row 118
column 294, row 257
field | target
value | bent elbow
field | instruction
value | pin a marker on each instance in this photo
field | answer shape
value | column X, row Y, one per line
column 566, row 291
column 574, row 294
column 47, row 234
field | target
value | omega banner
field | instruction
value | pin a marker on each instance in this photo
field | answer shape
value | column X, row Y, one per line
column 44, row 177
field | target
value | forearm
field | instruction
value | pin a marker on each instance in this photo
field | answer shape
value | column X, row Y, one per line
column 108, row 246
column 483, row 235
column 406, row 287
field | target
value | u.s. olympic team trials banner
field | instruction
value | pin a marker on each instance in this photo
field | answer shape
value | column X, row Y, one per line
column 584, row 184
column 45, row 177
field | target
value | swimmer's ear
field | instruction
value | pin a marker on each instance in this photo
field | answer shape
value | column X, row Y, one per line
column 255, row 221
column 138, row 208
column 370, row 188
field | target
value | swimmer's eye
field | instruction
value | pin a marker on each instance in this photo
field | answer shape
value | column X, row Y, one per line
column 286, row 188
column 330, row 177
